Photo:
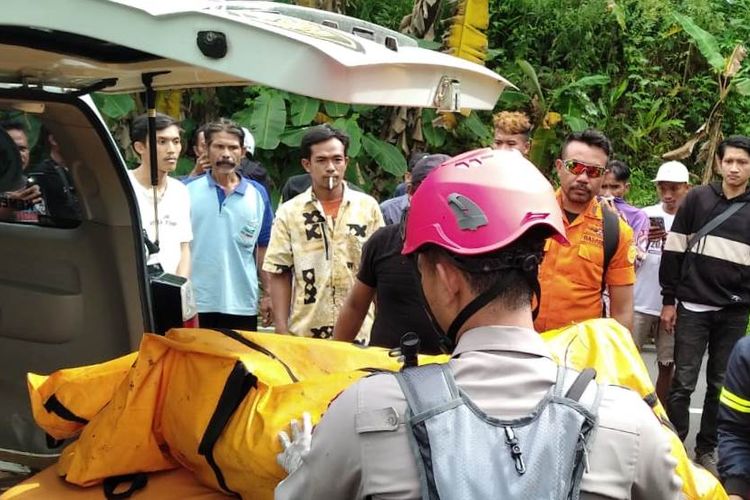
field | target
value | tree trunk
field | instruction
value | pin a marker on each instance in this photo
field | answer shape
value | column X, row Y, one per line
column 405, row 124
column 421, row 22
column 714, row 138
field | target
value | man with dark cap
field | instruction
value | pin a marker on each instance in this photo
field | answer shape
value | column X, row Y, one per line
column 393, row 208
column 386, row 274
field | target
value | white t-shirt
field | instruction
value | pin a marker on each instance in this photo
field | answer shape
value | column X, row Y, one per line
column 174, row 220
column 647, row 293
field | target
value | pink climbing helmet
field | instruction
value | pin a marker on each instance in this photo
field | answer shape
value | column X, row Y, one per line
column 480, row 202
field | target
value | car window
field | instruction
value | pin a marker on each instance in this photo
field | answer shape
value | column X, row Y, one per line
column 36, row 185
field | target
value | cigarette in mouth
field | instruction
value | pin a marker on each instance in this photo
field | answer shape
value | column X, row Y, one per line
column 330, row 183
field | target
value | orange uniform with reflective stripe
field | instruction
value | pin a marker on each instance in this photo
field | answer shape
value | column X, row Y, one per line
column 571, row 276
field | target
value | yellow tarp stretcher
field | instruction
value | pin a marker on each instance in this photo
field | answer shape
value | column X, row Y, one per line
column 211, row 401
column 214, row 402
column 607, row 346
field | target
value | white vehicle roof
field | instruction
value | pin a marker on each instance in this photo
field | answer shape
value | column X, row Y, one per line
column 79, row 43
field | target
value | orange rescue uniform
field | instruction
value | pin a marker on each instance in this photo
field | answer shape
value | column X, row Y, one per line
column 571, row 276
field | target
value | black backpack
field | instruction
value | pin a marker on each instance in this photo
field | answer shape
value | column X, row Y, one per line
column 611, row 237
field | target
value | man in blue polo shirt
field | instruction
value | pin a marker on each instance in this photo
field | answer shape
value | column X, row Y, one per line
column 229, row 220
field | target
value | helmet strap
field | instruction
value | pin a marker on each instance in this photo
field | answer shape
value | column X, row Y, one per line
column 536, row 291
column 472, row 307
column 447, row 339
column 445, row 343
column 488, row 296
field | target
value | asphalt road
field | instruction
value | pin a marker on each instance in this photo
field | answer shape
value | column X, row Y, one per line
column 696, row 403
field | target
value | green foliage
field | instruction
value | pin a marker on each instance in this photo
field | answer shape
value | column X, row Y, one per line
column 267, row 119
column 385, row 13
column 530, row 73
column 476, row 127
column 643, row 71
column 336, row 109
column 280, row 119
column 705, row 41
column 568, row 104
column 434, row 136
column 303, row 110
column 642, row 190
column 351, row 127
column 114, row 106
column 387, row 155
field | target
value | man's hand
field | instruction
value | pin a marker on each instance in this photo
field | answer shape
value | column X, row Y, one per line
column 32, row 194
column 296, row 449
column 608, row 203
column 668, row 318
column 280, row 291
column 656, row 233
column 202, row 164
column 266, row 310
column 735, row 497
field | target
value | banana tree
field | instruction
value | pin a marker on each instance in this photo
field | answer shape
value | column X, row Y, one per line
column 464, row 37
column 278, row 118
column 567, row 105
column 405, row 124
column 731, row 77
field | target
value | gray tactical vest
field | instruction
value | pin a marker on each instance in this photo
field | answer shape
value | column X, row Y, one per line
column 464, row 454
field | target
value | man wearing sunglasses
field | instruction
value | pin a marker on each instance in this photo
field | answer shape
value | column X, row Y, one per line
column 573, row 277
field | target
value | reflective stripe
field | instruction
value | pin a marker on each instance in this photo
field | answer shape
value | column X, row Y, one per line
column 724, row 249
column 711, row 246
column 733, row 401
column 676, row 242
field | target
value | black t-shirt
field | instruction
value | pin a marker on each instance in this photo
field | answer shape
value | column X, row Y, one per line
column 58, row 190
column 399, row 304
column 571, row 216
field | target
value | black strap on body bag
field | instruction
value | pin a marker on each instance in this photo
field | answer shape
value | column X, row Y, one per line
column 713, row 224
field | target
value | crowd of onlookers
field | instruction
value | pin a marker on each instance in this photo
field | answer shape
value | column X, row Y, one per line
column 328, row 263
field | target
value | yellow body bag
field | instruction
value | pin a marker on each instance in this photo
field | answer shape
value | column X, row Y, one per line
column 608, row 347
column 64, row 402
column 211, row 401
column 214, row 402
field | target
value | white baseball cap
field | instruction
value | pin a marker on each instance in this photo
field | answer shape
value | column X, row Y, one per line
column 249, row 143
column 672, row 171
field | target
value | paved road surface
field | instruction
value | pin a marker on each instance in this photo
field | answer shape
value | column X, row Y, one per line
column 696, row 404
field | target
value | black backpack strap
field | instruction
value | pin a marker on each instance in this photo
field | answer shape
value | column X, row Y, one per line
column 611, row 237
column 579, row 385
column 714, row 223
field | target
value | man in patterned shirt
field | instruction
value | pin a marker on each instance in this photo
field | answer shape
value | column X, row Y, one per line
column 316, row 241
